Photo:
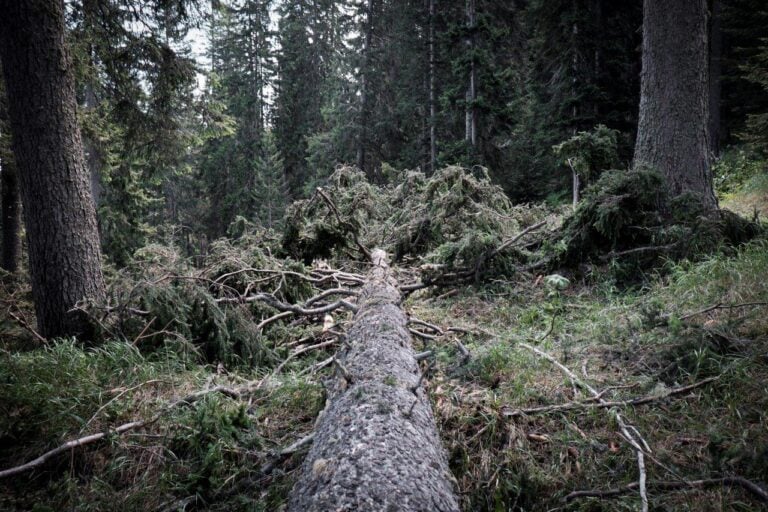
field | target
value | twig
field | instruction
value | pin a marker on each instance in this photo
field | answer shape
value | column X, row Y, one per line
column 415, row 387
column 433, row 327
column 98, row 411
column 636, row 250
column 328, row 293
column 422, row 334
column 720, row 305
column 548, row 331
column 273, row 318
column 608, row 404
column 420, row 356
column 141, row 334
column 623, row 427
column 90, row 439
column 28, row 327
column 69, row 445
column 302, row 351
column 288, row 450
column 733, row 481
column 317, row 366
column 279, row 305
column 489, row 255
column 343, row 370
column 344, row 223
column 464, row 352
column 517, row 237
column 268, row 467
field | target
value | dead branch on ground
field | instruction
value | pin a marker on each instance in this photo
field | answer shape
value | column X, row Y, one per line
column 121, row 429
column 591, row 404
column 734, row 481
column 629, row 432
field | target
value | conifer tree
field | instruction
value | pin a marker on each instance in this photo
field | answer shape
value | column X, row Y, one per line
column 673, row 128
column 10, row 204
column 60, row 218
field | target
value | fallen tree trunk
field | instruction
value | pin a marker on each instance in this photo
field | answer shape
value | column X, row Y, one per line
column 376, row 444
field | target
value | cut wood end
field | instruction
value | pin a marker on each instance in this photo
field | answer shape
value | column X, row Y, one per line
column 379, row 258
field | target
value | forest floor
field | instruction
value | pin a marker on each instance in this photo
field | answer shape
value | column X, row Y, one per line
column 702, row 325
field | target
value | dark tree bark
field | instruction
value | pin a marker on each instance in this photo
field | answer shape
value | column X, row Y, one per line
column 11, row 213
column 673, row 129
column 10, row 206
column 376, row 446
column 715, row 75
column 64, row 252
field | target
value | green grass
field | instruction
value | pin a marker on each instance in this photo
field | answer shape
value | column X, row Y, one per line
column 617, row 338
column 629, row 343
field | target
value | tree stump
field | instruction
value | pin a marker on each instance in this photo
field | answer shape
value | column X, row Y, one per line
column 376, row 444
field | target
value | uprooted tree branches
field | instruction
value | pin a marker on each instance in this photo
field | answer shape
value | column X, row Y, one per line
column 453, row 228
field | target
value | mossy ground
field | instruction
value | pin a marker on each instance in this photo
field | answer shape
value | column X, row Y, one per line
column 207, row 456
column 631, row 343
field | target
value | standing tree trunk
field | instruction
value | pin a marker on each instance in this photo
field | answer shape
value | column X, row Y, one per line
column 673, row 130
column 64, row 252
column 362, row 135
column 376, row 446
column 93, row 155
column 471, row 96
column 432, row 95
column 715, row 75
column 10, row 206
column 11, row 216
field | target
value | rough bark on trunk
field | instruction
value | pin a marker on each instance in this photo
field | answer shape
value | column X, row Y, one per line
column 673, row 129
column 10, row 206
column 376, row 445
column 11, row 213
column 715, row 74
column 64, row 252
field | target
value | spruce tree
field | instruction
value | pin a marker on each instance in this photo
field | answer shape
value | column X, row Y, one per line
column 64, row 251
column 673, row 129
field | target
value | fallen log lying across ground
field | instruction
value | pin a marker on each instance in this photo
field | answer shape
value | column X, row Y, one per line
column 376, row 445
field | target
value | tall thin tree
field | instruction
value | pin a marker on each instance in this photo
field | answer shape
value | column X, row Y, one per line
column 432, row 95
column 470, row 112
column 10, row 205
column 64, row 251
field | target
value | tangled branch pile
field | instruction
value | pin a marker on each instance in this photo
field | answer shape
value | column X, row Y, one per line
column 627, row 217
column 451, row 220
column 225, row 309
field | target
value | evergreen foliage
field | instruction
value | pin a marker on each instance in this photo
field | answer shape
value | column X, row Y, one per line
column 450, row 219
column 627, row 218
column 590, row 153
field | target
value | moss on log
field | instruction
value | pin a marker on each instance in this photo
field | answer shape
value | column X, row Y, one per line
column 376, row 445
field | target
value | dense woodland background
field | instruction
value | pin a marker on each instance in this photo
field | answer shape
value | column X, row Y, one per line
column 244, row 157
column 282, row 92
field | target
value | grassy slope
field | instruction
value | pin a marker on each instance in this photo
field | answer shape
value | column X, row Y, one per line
column 205, row 457
column 617, row 343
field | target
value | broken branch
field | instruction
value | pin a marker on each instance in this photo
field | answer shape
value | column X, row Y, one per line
column 607, row 404
column 733, row 481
